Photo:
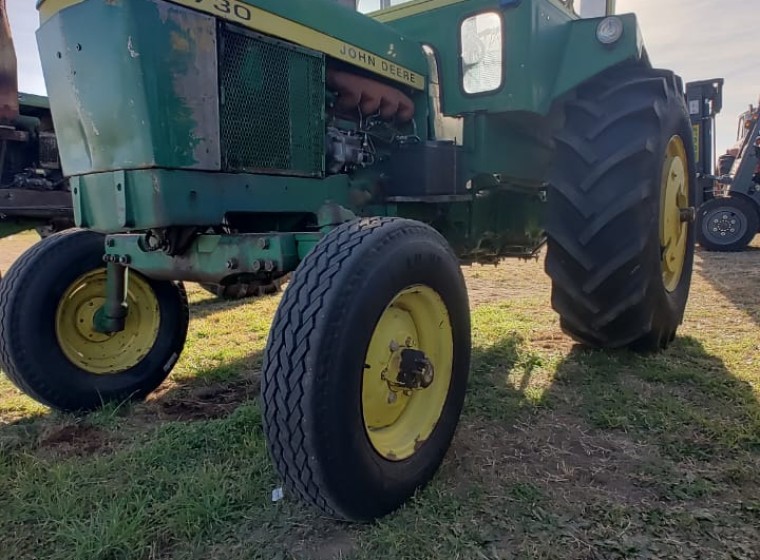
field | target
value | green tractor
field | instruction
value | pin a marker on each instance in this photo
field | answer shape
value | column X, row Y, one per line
column 370, row 155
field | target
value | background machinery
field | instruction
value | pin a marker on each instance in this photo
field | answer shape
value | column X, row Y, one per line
column 369, row 155
column 729, row 214
column 33, row 191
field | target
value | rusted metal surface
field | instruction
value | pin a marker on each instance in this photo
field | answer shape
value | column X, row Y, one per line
column 8, row 70
column 370, row 96
column 193, row 45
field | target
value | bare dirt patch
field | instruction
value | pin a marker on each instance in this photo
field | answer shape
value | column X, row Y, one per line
column 78, row 439
column 205, row 402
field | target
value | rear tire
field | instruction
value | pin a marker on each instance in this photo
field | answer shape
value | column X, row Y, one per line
column 47, row 346
column 727, row 224
column 330, row 421
column 604, row 253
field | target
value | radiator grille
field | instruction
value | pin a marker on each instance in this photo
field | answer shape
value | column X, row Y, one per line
column 272, row 105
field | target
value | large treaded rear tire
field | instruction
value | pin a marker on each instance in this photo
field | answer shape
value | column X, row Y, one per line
column 315, row 358
column 603, row 208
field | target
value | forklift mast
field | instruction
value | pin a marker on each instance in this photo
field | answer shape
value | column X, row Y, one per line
column 705, row 100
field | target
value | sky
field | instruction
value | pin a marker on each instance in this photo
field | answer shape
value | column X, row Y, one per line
column 698, row 39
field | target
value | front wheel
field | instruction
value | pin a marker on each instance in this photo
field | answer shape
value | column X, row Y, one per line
column 48, row 346
column 727, row 224
column 620, row 211
column 366, row 367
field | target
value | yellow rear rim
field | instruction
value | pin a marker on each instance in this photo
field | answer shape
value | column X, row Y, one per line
column 673, row 227
column 99, row 353
column 399, row 420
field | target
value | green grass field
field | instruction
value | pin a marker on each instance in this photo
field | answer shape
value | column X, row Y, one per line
column 561, row 453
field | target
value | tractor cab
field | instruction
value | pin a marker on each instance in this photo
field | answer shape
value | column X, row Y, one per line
column 582, row 8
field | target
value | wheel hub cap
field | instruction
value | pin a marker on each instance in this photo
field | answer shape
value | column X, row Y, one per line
column 407, row 372
column 96, row 352
column 725, row 225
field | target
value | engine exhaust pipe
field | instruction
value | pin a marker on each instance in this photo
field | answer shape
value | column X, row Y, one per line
column 8, row 70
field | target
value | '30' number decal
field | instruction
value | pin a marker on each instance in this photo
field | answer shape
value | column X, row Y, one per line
column 240, row 11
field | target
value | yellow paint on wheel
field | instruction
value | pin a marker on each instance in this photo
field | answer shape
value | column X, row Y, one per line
column 674, row 229
column 398, row 421
column 99, row 353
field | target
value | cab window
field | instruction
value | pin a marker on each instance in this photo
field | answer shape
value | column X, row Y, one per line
column 368, row 6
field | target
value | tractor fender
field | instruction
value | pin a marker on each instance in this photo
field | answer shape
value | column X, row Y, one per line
column 584, row 56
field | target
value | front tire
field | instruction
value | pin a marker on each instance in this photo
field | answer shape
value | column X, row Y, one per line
column 727, row 224
column 48, row 347
column 620, row 211
column 373, row 295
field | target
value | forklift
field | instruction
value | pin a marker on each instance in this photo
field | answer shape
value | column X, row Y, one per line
column 728, row 216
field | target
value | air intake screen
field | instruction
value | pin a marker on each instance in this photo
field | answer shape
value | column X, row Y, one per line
column 272, row 105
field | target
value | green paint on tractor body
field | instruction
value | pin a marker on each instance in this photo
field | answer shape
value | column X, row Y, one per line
column 222, row 119
column 216, row 122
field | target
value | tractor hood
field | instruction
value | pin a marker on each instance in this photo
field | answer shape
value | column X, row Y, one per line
column 321, row 25
column 206, row 84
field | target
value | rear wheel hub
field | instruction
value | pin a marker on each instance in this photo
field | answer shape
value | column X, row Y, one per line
column 675, row 213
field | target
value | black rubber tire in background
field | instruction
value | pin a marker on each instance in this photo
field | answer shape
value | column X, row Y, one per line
column 311, row 386
column 29, row 350
column 245, row 290
column 603, row 207
column 735, row 204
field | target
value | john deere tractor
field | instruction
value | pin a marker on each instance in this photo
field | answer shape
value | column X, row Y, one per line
column 370, row 155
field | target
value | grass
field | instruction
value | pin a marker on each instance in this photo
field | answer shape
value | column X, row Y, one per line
column 561, row 452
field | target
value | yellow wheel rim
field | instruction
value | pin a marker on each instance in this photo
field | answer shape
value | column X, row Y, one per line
column 674, row 229
column 99, row 353
column 399, row 420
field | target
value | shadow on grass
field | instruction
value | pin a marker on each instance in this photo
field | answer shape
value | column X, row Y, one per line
column 737, row 277
column 601, row 455
column 208, row 394
column 684, row 400
column 201, row 489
